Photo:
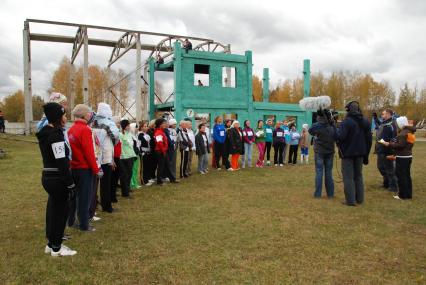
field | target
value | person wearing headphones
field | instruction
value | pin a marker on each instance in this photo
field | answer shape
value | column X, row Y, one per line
column 354, row 142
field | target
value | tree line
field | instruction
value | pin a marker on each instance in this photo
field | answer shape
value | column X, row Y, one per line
column 343, row 87
column 372, row 95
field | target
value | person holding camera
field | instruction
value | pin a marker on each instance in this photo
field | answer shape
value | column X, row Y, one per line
column 56, row 178
column 385, row 164
column 324, row 135
column 354, row 142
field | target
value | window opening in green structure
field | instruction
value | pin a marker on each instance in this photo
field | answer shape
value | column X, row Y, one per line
column 201, row 75
column 229, row 75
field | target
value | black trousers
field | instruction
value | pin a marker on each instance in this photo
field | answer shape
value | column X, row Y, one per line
column 278, row 152
column 403, row 173
column 147, row 167
column 115, row 176
column 219, row 153
column 105, row 184
column 184, row 163
column 163, row 170
column 126, row 168
column 153, row 166
column 292, row 156
column 268, row 150
column 56, row 209
column 387, row 170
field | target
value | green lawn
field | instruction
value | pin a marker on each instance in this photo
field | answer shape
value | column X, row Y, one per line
column 256, row 226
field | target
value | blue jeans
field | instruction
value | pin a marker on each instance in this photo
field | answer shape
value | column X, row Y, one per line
column 248, row 149
column 324, row 165
column 80, row 205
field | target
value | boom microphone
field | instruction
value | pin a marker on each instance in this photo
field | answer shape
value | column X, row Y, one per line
column 315, row 103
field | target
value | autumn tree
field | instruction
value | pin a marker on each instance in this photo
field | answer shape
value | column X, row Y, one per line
column 257, row 89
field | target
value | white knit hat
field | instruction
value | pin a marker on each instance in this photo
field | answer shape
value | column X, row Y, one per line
column 234, row 122
column 104, row 110
column 402, row 122
column 305, row 126
column 57, row 97
column 172, row 122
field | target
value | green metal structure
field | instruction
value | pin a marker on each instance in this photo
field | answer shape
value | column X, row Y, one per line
column 227, row 88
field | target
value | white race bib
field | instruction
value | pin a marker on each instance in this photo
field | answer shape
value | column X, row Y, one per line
column 269, row 131
column 159, row 138
column 279, row 134
column 58, row 149
column 250, row 133
column 222, row 133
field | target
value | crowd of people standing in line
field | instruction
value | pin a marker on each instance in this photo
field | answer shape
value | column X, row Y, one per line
column 109, row 152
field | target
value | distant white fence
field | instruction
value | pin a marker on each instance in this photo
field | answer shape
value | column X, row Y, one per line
column 19, row 128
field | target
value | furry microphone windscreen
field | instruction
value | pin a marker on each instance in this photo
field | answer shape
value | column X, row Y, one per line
column 315, row 103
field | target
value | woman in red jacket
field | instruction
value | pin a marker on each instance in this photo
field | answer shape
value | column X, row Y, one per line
column 161, row 146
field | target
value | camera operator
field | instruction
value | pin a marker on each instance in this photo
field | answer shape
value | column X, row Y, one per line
column 324, row 134
column 354, row 141
column 386, row 166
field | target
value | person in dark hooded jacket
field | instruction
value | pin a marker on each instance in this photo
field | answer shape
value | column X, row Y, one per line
column 354, row 142
column 56, row 178
column 324, row 135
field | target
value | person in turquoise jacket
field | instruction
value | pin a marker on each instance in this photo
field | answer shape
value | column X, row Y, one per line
column 287, row 138
column 269, row 129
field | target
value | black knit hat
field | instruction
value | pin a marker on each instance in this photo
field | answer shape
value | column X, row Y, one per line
column 53, row 112
column 124, row 123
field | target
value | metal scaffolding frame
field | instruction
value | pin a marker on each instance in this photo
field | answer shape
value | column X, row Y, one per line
column 131, row 39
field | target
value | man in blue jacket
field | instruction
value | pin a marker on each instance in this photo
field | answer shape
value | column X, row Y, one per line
column 354, row 141
column 386, row 132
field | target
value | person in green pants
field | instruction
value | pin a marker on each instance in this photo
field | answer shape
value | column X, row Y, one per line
column 134, row 182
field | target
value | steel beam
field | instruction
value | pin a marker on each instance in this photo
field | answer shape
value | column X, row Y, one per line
column 92, row 41
column 28, row 110
column 113, row 29
column 123, row 45
column 78, row 42
column 86, row 68
column 138, row 94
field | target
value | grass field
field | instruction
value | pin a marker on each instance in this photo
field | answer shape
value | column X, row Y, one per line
column 256, row 226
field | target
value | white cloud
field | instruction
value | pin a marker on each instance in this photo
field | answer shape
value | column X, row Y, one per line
column 384, row 38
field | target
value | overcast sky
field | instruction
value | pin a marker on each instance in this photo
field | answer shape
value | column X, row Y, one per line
column 385, row 38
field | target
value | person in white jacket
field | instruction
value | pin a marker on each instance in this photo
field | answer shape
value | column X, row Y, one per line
column 107, row 139
column 192, row 150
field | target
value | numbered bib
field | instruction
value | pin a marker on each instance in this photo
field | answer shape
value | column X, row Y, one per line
column 279, row 134
column 222, row 133
column 58, row 150
column 250, row 133
column 159, row 138
column 269, row 131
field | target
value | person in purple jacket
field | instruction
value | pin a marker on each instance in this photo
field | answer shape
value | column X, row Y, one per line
column 279, row 144
column 248, row 138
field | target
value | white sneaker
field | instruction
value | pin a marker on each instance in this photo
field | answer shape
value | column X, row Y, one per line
column 219, row 168
column 149, row 183
column 64, row 251
column 276, row 164
column 47, row 250
column 151, row 180
column 268, row 163
column 281, row 165
column 202, row 172
column 95, row 219
column 397, row 197
column 230, row 169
